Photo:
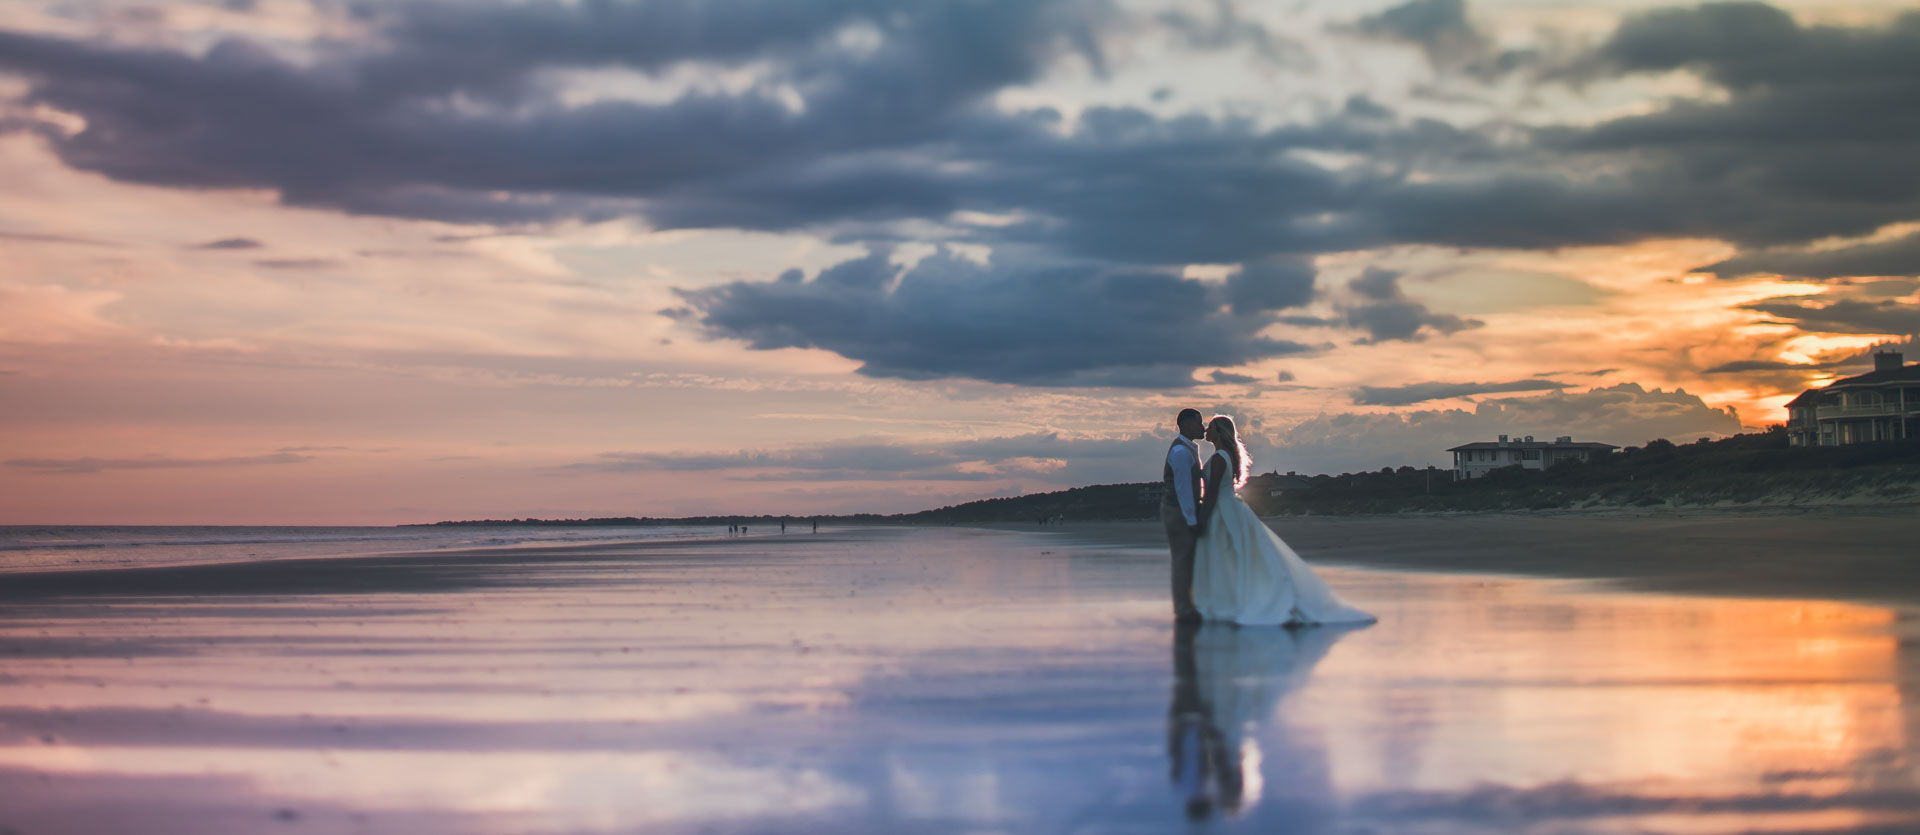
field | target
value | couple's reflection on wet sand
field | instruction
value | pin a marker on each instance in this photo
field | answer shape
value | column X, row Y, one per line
column 1228, row 680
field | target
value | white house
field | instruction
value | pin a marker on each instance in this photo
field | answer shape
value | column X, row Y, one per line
column 1477, row 459
column 1883, row 405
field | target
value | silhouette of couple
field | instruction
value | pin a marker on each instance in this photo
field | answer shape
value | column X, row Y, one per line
column 1228, row 566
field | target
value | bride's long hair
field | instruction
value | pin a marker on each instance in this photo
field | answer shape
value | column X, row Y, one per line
column 1222, row 427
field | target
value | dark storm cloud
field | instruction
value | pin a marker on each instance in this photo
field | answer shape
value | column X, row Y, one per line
column 460, row 42
column 1818, row 126
column 1376, row 284
column 1423, row 392
column 1440, row 27
column 375, row 131
column 1444, row 31
column 230, row 243
column 42, row 238
column 1311, row 321
column 950, row 317
column 1227, row 29
column 1815, row 137
column 1123, row 186
column 824, row 462
column 1271, row 284
column 872, row 121
column 296, row 263
column 1044, row 455
column 1749, row 366
column 1403, row 321
column 1897, row 257
column 1386, row 314
column 1844, row 316
column 94, row 465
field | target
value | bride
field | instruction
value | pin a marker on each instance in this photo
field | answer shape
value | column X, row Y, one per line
column 1242, row 571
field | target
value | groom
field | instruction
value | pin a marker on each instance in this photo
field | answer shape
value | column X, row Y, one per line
column 1178, row 512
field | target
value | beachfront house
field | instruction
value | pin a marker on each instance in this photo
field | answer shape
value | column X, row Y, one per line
column 1274, row 485
column 1153, row 493
column 1882, row 405
column 1477, row 459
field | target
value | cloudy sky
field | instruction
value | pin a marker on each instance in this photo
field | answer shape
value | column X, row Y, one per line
column 370, row 261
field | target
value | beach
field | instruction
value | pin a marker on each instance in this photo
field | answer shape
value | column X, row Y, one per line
column 1869, row 553
column 972, row 680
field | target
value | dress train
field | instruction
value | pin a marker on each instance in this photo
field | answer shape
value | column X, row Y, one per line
column 1245, row 573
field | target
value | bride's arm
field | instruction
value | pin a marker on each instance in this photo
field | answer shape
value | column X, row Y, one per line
column 1216, row 476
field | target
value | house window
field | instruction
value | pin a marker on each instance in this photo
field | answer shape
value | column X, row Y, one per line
column 1530, row 454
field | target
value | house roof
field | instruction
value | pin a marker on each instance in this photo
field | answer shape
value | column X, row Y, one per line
column 1531, row 445
column 1904, row 374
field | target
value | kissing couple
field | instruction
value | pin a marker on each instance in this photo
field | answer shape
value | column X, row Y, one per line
column 1228, row 565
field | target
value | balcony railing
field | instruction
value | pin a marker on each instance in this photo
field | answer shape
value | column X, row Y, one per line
column 1833, row 412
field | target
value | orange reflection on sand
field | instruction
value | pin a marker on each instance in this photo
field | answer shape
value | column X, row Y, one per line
column 1718, row 694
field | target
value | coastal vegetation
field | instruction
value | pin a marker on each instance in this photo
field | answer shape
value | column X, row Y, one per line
column 1759, row 469
column 1755, row 469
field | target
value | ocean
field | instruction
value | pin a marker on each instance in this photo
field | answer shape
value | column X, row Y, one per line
column 25, row 548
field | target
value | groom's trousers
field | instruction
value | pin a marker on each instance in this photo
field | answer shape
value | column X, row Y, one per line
column 1180, row 542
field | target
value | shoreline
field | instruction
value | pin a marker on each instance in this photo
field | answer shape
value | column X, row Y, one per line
column 402, row 571
column 1863, row 555
column 1854, row 553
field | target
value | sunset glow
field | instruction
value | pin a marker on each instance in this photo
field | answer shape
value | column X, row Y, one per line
column 307, row 261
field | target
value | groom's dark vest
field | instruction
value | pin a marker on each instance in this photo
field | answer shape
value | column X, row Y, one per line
column 1171, row 497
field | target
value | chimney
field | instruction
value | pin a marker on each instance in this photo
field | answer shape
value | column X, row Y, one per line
column 1529, row 439
column 1888, row 361
column 1503, row 440
column 1563, row 439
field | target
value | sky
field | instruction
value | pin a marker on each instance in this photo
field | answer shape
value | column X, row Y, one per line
column 333, row 262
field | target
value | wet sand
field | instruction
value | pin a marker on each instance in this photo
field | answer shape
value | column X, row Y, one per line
column 932, row 681
column 1867, row 554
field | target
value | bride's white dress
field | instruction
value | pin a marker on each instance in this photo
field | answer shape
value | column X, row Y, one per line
column 1244, row 573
